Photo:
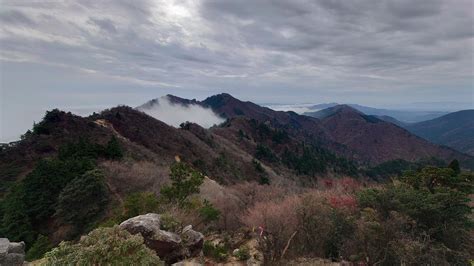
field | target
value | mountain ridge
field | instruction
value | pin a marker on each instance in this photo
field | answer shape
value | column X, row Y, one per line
column 455, row 130
column 404, row 116
column 385, row 145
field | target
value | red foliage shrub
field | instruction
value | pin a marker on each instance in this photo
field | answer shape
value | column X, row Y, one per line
column 345, row 184
column 279, row 222
column 342, row 201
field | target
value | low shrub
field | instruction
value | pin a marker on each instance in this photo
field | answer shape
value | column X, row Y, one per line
column 277, row 221
column 169, row 223
column 104, row 246
column 140, row 203
column 208, row 212
column 217, row 252
column 39, row 248
column 243, row 253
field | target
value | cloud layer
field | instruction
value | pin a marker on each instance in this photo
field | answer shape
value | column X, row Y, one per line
column 346, row 45
column 86, row 52
column 174, row 114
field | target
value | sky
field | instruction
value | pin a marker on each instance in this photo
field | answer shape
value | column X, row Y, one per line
column 87, row 55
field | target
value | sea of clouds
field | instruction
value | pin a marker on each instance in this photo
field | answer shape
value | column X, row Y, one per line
column 174, row 114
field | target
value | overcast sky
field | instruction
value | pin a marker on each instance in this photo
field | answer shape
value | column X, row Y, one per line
column 89, row 54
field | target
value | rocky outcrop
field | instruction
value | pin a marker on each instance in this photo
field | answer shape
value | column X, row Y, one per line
column 11, row 253
column 193, row 241
column 169, row 246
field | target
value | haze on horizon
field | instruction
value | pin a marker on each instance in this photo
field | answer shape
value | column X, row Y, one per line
column 88, row 55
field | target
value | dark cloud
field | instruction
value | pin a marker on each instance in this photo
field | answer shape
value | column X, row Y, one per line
column 406, row 9
column 105, row 24
column 14, row 17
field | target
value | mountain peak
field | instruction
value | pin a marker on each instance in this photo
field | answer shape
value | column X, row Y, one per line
column 178, row 100
column 344, row 108
column 219, row 100
column 222, row 96
column 170, row 98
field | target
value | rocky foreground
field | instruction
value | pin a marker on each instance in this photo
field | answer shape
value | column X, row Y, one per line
column 11, row 253
column 169, row 246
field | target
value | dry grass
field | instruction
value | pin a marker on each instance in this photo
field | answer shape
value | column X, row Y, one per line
column 137, row 176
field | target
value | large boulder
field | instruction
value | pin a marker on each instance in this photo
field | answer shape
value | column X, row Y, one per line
column 169, row 246
column 193, row 240
column 11, row 253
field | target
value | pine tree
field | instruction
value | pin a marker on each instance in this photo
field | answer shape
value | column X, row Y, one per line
column 185, row 181
column 454, row 164
column 113, row 150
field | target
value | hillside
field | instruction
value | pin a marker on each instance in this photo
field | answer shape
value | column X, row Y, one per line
column 455, row 130
column 254, row 144
column 352, row 134
column 226, row 153
column 71, row 174
column 64, row 146
column 209, row 152
column 344, row 130
column 392, row 120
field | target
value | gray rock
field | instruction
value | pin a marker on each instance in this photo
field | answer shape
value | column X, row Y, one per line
column 167, row 245
column 11, row 253
column 193, row 240
column 146, row 224
column 18, row 248
column 4, row 244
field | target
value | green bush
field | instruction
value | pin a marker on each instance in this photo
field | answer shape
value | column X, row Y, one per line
column 263, row 152
column 241, row 134
column 264, row 180
column 258, row 166
column 56, row 185
column 217, row 252
column 16, row 224
column 82, row 199
column 43, row 185
column 312, row 159
column 113, row 150
column 169, row 223
column 104, row 246
column 185, row 181
column 398, row 167
column 243, row 253
column 208, row 212
column 31, row 201
column 84, row 148
column 39, row 248
column 263, row 176
column 140, row 203
column 431, row 204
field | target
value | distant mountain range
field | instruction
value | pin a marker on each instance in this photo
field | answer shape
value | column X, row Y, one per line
column 342, row 128
column 455, row 130
column 404, row 116
column 253, row 142
column 375, row 139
